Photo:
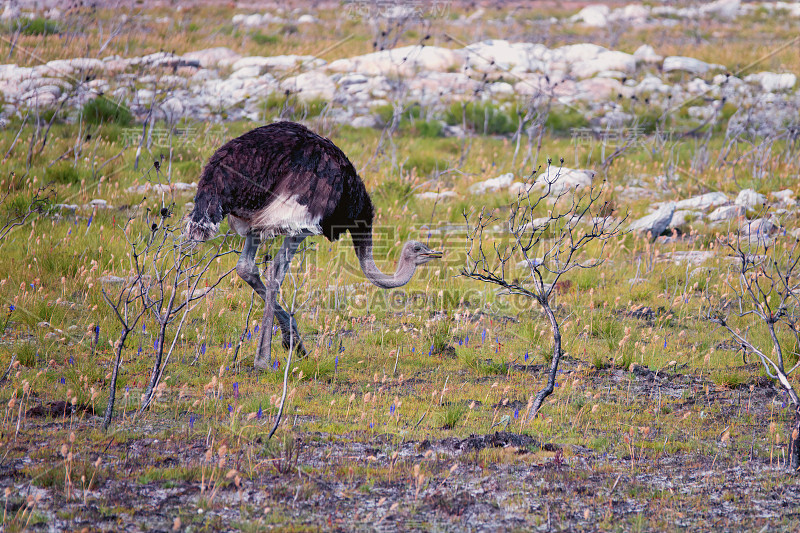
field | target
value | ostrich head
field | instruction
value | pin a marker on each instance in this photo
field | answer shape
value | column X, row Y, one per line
column 416, row 253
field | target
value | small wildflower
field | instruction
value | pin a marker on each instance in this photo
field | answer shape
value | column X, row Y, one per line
column 255, row 329
column 336, row 364
column 230, row 408
column 431, row 350
column 203, row 349
column 260, row 412
column 236, row 390
column 63, row 381
column 248, row 334
column 191, row 421
column 96, row 334
column 391, row 409
column 276, row 365
column 71, row 360
column 483, row 335
column 526, row 357
column 665, row 342
column 11, row 308
column 516, row 413
column 89, row 223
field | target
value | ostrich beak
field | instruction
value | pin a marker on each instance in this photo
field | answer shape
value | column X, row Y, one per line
column 432, row 254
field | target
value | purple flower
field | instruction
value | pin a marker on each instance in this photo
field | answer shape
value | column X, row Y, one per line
column 341, row 348
column 191, row 421
column 431, row 351
column 526, row 357
column 71, row 360
column 276, row 365
column 371, row 425
column 391, row 409
column 236, row 390
column 203, row 349
column 63, row 381
column 516, row 413
column 255, row 329
column 96, row 334
column 336, row 364
column 90, row 221
column 466, row 340
column 248, row 334
column 230, row 409
column 260, row 412
column 483, row 335
column 11, row 308
column 140, row 350
column 155, row 344
column 665, row 342
column 144, row 328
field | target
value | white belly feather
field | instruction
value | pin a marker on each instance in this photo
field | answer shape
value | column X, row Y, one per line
column 283, row 216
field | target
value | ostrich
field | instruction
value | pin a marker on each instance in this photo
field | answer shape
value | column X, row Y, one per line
column 283, row 179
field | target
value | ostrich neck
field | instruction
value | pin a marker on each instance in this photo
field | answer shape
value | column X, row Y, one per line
column 405, row 270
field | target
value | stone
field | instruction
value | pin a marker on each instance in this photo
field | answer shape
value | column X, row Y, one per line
column 406, row 61
column 441, row 195
column 726, row 212
column 306, row 19
column 686, row 64
column 367, row 121
column 310, row 85
column 694, row 257
column 785, row 197
column 647, row 54
column 212, row 57
column 773, row 82
column 726, row 9
column 656, row 223
column 682, row 218
column 760, row 227
column 604, row 61
column 595, row 16
column 704, row 201
column 749, row 199
column 491, row 185
column 562, row 179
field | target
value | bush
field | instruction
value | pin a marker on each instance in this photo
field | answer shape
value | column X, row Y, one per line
column 37, row 26
column 563, row 121
column 262, row 39
column 481, row 117
column 63, row 172
column 102, row 110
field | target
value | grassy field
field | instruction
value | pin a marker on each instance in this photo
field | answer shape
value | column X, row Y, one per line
column 410, row 410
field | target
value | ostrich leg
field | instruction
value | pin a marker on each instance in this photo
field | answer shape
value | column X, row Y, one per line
column 248, row 271
column 274, row 278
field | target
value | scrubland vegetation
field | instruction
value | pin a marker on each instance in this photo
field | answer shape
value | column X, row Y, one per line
column 411, row 409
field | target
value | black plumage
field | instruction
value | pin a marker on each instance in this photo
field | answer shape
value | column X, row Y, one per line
column 275, row 162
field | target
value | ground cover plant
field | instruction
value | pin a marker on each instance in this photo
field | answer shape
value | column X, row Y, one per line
column 665, row 261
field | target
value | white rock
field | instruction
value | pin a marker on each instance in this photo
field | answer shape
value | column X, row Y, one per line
column 726, row 212
column 704, row 201
column 750, row 198
column 430, row 195
column 367, row 121
column 773, row 82
column 695, row 257
column 727, row 9
column 600, row 89
column 785, row 197
column 212, row 57
column 655, row 223
column 306, row 19
column 760, row 227
column 405, row 61
column 686, row 64
column 682, row 217
column 595, row 15
column 491, row 185
column 246, row 72
column 604, row 61
column 561, row 180
column 647, row 54
column 310, row 85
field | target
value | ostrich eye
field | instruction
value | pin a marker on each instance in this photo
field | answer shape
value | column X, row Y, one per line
column 417, row 248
